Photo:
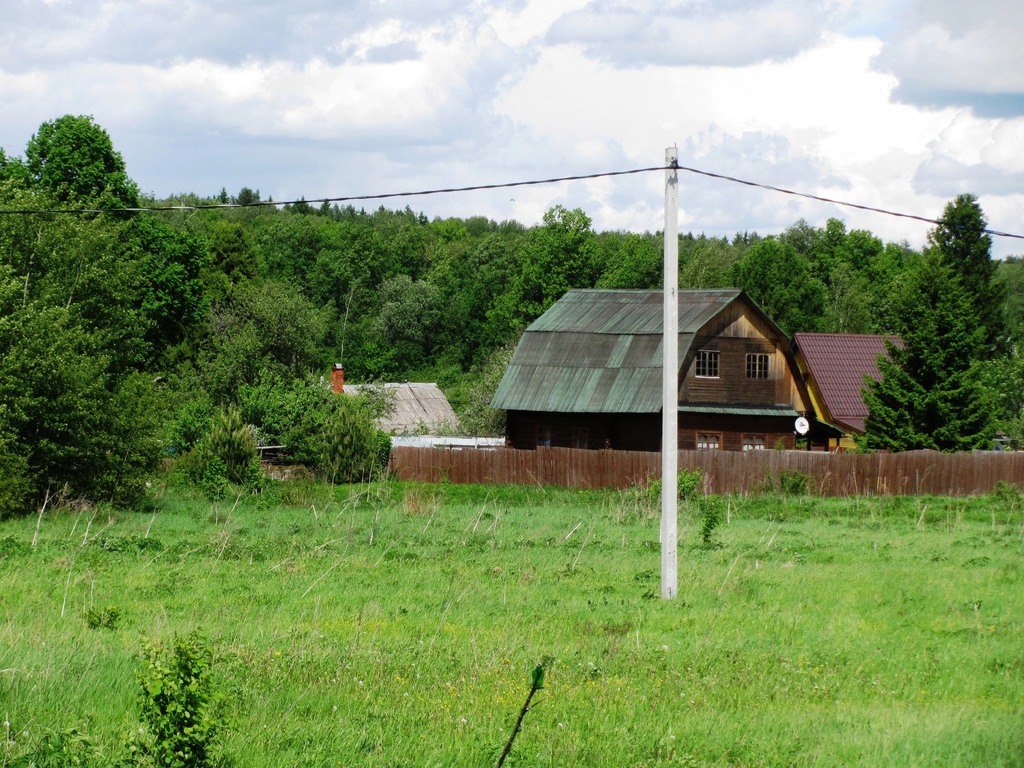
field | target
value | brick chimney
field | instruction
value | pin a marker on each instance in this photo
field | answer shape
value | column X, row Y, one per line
column 337, row 378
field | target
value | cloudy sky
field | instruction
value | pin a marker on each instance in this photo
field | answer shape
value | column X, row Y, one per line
column 896, row 104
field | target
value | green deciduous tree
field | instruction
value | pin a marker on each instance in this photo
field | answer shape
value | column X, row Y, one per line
column 73, row 160
column 633, row 261
column 79, row 413
column 266, row 331
column 779, row 280
column 556, row 257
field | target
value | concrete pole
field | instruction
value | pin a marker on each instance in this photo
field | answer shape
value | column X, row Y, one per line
column 670, row 383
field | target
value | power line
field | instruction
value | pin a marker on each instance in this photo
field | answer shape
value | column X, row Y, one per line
column 504, row 185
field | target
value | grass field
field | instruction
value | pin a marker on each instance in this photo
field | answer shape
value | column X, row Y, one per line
column 398, row 624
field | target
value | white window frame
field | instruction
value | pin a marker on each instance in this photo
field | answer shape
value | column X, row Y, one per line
column 706, row 364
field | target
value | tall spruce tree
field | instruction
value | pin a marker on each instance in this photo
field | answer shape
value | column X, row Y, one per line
column 930, row 394
column 963, row 245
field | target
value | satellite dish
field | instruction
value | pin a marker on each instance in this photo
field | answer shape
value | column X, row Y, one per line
column 802, row 425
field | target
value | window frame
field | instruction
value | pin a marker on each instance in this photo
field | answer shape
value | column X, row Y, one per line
column 702, row 441
column 758, row 365
column 706, row 364
column 750, row 441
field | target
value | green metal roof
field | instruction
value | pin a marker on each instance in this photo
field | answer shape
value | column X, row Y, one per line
column 599, row 351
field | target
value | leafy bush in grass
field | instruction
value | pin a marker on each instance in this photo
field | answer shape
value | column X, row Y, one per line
column 179, row 706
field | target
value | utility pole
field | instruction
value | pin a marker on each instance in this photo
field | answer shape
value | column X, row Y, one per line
column 670, row 382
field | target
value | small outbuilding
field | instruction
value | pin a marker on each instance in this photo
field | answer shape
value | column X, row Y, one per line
column 408, row 408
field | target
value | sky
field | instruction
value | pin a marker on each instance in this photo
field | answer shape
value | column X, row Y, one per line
column 894, row 104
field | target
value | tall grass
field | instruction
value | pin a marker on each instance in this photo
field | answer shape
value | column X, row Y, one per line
column 398, row 624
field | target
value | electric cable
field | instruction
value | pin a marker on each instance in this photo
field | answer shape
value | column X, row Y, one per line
column 503, row 185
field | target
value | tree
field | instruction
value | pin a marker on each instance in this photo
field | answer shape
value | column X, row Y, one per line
column 75, row 418
column 267, row 330
column 73, row 159
column 634, row 262
column 779, row 280
column 170, row 265
column 1004, row 378
column 410, row 318
column 707, row 263
column 930, row 394
column 555, row 257
column 1011, row 274
column 962, row 244
column 78, row 413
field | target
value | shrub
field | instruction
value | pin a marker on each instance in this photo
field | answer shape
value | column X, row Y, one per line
column 794, row 483
column 226, row 455
column 68, row 748
column 348, row 443
column 382, row 450
column 711, row 516
column 332, row 434
column 190, row 425
column 689, row 484
column 179, row 706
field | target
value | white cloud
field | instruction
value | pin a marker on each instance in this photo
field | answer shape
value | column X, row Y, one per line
column 954, row 53
column 889, row 103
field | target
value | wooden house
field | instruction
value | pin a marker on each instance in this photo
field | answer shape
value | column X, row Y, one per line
column 836, row 367
column 588, row 374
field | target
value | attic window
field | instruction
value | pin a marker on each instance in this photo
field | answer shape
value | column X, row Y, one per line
column 707, row 363
column 757, row 365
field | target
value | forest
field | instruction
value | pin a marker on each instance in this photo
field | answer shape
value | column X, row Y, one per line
column 123, row 334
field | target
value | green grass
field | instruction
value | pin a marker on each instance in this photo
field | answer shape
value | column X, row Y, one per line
column 398, row 624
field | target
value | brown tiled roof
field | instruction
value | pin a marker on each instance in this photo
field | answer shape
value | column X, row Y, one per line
column 837, row 364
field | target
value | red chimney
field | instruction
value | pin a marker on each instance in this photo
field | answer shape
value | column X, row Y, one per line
column 337, row 378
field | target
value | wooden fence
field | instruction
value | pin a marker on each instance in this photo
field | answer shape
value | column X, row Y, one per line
column 724, row 472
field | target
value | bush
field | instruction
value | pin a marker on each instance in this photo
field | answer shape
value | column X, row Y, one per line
column 348, row 445
column 179, row 706
column 329, row 433
column 689, row 485
column 15, row 485
column 794, row 483
column 68, row 748
column 190, row 425
column 226, row 455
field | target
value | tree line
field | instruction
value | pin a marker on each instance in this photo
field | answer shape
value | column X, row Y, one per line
column 123, row 335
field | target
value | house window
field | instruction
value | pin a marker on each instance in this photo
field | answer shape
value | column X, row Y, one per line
column 580, row 437
column 707, row 363
column 753, row 442
column 544, row 435
column 757, row 365
column 708, row 441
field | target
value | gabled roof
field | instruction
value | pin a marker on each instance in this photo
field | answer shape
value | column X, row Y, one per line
column 599, row 351
column 415, row 408
column 837, row 364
